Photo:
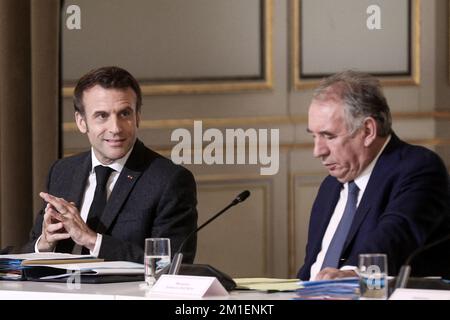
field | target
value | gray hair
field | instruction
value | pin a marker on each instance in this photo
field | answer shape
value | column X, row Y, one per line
column 362, row 96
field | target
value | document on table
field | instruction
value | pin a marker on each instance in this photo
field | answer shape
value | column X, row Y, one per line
column 335, row 289
column 96, row 268
column 267, row 284
column 419, row 294
column 14, row 266
column 48, row 258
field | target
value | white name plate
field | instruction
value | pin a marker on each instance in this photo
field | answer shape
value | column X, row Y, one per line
column 192, row 286
column 419, row 294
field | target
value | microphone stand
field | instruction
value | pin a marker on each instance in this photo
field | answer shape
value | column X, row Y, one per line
column 178, row 257
column 174, row 267
column 405, row 270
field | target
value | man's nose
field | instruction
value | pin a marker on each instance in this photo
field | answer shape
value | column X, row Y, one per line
column 115, row 125
column 320, row 148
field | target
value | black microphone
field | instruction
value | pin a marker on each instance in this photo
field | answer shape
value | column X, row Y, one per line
column 405, row 270
column 178, row 257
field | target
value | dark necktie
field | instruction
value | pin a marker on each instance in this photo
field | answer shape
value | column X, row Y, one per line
column 98, row 204
column 337, row 243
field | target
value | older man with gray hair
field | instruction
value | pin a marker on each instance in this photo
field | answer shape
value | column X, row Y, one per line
column 382, row 195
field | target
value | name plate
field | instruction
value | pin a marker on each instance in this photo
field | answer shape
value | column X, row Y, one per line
column 419, row 294
column 192, row 286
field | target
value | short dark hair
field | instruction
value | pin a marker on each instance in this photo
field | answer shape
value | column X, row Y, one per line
column 362, row 96
column 107, row 78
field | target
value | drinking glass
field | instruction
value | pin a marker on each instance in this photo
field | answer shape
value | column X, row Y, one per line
column 373, row 281
column 156, row 257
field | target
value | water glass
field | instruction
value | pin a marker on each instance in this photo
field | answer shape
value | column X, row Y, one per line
column 373, row 281
column 156, row 257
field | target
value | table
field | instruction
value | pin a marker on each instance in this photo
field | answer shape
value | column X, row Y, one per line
column 31, row 290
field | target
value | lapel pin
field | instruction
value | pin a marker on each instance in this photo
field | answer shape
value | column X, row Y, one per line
column 130, row 177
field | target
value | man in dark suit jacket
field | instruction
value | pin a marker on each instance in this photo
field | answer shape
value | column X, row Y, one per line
column 402, row 200
column 148, row 195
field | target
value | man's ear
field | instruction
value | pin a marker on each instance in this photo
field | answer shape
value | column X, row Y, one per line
column 138, row 119
column 370, row 131
column 81, row 122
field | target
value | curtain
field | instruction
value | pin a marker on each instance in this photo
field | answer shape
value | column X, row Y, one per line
column 29, row 110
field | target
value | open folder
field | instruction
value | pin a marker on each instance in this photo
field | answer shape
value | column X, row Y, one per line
column 47, row 266
column 106, row 268
column 12, row 266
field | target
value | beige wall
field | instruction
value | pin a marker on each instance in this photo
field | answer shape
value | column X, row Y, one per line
column 266, row 235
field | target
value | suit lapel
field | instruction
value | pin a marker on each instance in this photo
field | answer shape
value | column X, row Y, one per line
column 360, row 214
column 79, row 180
column 124, row 185
column 131, row 172
column 377, row 178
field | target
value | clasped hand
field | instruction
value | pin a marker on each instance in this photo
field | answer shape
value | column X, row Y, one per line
column 62, row 220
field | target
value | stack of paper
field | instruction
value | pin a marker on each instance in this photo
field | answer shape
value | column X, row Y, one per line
column 339, row 289
column 11, row 269
column 86, row 269
column 15, row 266
column 267, row 284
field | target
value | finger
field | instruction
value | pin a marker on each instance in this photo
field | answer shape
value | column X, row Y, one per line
column 49, row 206
column 59, row 204
column 329, row 276
column 55, row 215
column 52, row 228
column 57, row 236
column 47, row 217
column 319, row 276
column 322, row 273
column 51, row 217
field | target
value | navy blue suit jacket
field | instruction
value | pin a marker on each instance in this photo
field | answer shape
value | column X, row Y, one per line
column 404, row 206
column 152, row 197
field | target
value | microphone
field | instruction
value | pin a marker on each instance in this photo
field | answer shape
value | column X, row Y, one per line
column 405, row 270
column 178, row 257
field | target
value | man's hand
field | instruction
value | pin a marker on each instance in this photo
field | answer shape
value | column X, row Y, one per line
column 65, row 216
column 52, row 230
column 332, row 273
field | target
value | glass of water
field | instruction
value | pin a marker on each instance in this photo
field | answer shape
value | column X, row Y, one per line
column 373, row 280
column 156, row 257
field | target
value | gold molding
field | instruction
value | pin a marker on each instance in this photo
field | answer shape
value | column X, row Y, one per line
column 218, row 86
column 414, row 79
column 257, row 121
column 166, row 150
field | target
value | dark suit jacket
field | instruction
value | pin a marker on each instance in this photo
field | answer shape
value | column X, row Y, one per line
column 405, row 205
column 152, row 197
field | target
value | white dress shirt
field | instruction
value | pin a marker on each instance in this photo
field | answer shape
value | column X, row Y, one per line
column 361, row 181
column 89, row 192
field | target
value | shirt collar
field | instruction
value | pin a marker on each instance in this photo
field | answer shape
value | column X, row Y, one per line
column 117, row 165
column 363, row 179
